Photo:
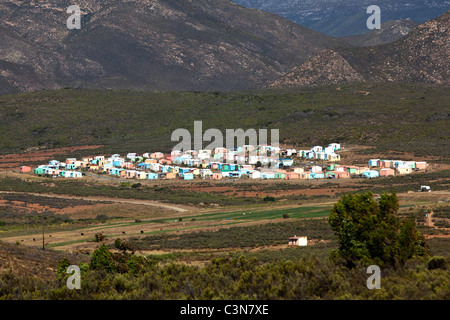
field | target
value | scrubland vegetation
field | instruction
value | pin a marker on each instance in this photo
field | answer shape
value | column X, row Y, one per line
column 360, row 231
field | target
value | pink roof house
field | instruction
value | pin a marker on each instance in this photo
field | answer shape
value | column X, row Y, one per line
column 385, row 172
column 25, row 169
column 217, row 176
column 386, row 163
column 292, row 175
column 165, row 161
column 342, row 175
column 421, row 165
column 157, row 155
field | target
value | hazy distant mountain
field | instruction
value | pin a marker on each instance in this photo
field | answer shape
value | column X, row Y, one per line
column 348, row 17
column 148, row 45
column 421, row 56
column 390, row 31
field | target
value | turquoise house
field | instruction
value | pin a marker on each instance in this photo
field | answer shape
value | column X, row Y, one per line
column 151, row 176
column 316, row 175
column 371, row 174
column 267, row 175
column 188, row 176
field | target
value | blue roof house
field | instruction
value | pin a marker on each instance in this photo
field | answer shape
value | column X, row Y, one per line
column 152, row 176
column 371, row 174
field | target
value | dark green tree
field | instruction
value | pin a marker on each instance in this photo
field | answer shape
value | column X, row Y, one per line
column 102, row 259
column 369, row 231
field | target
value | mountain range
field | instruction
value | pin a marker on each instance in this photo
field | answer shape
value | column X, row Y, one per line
column 148, row 45
column 420, row 57
column 342, row 18
column 390, row 31
column 196, row 45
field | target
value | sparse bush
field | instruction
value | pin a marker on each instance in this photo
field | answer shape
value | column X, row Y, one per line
column 437, row 262
column 102, row 218
column 99, row 237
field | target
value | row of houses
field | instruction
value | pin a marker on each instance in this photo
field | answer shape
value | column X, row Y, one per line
column 54, row 171
column 255, row 162
column 401, row 165
column 218, row 163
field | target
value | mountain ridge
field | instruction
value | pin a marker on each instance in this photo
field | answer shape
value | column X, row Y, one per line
column 421, row 56
column 150, row 45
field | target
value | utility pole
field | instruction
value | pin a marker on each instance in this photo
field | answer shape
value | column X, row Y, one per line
column 43, row 236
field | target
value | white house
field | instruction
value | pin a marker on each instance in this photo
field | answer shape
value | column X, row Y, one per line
column 336, row 146
column 255, row 174
column 298, row 241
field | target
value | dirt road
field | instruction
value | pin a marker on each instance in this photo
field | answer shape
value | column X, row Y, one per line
column 100, row 199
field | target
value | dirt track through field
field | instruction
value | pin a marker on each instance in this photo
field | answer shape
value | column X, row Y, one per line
column 141, row 202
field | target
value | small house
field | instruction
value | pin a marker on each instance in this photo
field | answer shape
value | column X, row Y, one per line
column 421, row 165
column 334, row 157
column 371, row 174
column 171, row 175
column 157, row 155
column 205, row 173
column 386, row 164
column 316, row 169
column 386, row 172
column 298, row 241
column 335, row 146
column 141, row 175
column 151, row 176
column 299, row 170
column 304, row 175
column 330, row 175
column 403, row 169
column 70, row 160
column 188, row 176
column 130, row 174
column 217, row 176
column 150, row 161
column 320, row 155
column 255, row 174
column 316, row 175
column 280, row 175
column 267, row 175
column 342, row 175
column 25, row 169
column 291, row 175
column 374, row 162
column 286, row 162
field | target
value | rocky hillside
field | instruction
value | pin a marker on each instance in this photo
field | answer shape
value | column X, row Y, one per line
column 148, row 45
column 390, row 31
column 328, row 67
column 340, row 18
column 421, row 56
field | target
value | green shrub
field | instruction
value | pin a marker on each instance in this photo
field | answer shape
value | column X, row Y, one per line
column 102, row 259
column 370, row 232
column 437, row 262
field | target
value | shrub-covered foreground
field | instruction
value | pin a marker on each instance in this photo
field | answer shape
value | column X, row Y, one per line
column 124, row 276
column 368, row 232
